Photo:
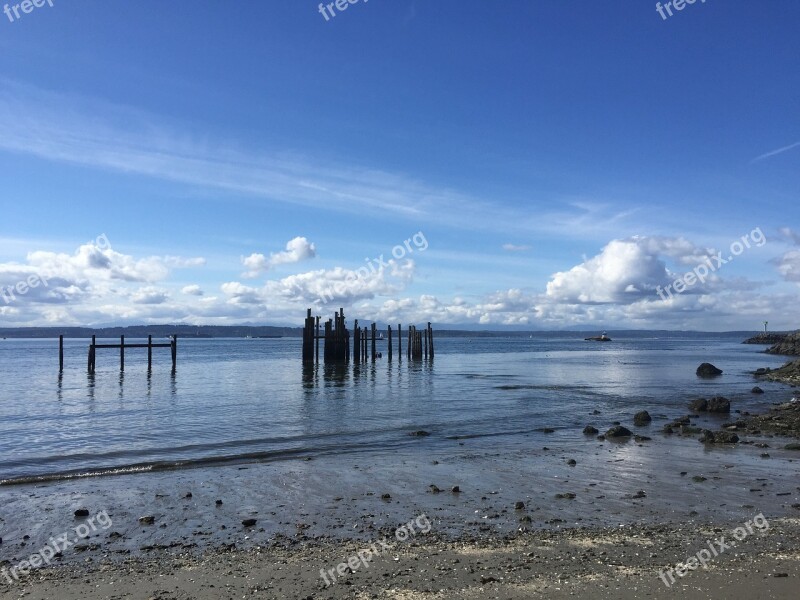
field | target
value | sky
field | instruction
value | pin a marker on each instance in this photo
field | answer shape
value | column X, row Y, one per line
column 521, row 164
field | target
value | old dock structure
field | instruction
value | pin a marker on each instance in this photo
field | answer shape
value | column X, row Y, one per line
column 337, row 338
column 122, row 346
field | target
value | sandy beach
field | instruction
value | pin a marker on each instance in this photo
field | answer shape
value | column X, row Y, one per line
column 580, row 517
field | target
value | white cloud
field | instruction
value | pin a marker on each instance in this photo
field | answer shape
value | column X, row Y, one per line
column 516, row 247
column 150, row 295
column 192, row 290
column 297, row 249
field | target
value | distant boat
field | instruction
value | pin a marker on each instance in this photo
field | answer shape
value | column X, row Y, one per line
column 599, row 338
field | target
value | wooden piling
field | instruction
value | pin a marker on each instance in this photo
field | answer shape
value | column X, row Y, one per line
column 389, row 343
column 316, row 338
column 91, row 354
column 122, row 353
column 430, row 338
column 174, row 348
column 374, row 352
column 61, row 354
column 149, row 353
column 400, row 341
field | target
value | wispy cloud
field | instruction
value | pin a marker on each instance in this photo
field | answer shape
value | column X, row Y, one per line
column 516, row 247
column 96, row 134
column 775, row 152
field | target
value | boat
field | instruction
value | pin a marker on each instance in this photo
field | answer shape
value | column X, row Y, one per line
column 598, row 338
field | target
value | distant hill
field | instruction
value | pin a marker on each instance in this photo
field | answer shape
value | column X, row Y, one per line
column 142, row 331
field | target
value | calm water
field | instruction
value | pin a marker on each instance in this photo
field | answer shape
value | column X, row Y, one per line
column 252, row 399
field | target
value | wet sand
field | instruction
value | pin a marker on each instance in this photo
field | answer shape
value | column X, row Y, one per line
column 522, row 523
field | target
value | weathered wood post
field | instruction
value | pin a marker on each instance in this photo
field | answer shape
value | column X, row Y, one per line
column 356, row 342
column 400, row 341
column 374, row 353
column 316, row 338
column 60, row 353
column 149, row 353
column 122, row 353
column 91, row 354
column 174, row 348
column 430, row 335
column 426, row 343
column 389, row 344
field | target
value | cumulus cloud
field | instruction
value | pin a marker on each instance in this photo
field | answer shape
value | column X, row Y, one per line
column 192, row 290
column 297, row 249
column 149, row 295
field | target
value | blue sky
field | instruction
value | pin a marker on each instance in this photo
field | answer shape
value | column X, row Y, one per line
column 559, row 162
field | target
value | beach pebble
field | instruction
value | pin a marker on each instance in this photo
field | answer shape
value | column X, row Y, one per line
column 82, row 512
column 249, row 522
column 519, row 505
column 589, row 430
column 147, row 520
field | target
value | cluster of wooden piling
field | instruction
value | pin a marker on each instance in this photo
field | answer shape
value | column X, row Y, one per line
column 420, row 343
column 337, row 341
column 93, row 347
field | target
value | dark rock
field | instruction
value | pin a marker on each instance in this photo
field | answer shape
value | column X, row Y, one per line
column 790, row 345
column 792, row 447
column 434, row 489
column 726, row 437
column 766, row 338
column 218, row 503
column 548, row 430
column 757, row 390
column 519, row 505
column 456, row 489
column 420, row 433
column 147, row 520
column 642, row 438
column 719, row 404
column 566, row 496
column 249, row 522
column 642, row 418
column 589, row 430
column 708, row 370
column 699, row 478
column 707, row 437
column 699, row 405
column 386, row 497
column 618, row 431
column 572, row 462
column 82, row 512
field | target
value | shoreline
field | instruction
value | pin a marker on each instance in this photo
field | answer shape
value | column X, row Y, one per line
column 629, row 562
column 548, row 513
